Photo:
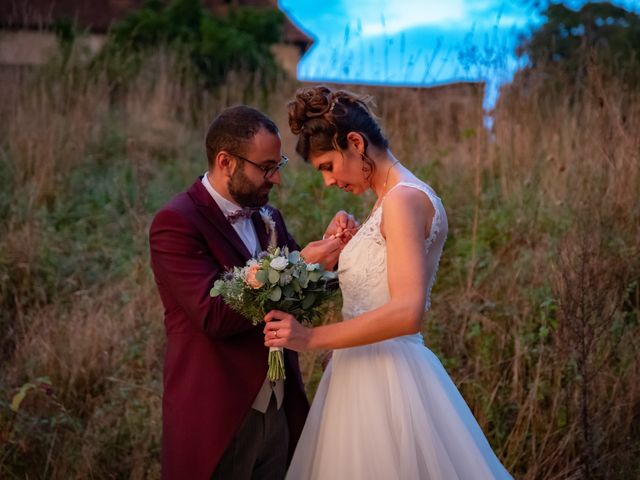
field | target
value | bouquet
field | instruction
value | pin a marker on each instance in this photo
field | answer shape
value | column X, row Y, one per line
column 277, row 280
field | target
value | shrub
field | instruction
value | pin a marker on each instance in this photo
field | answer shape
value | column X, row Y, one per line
column 209, row 45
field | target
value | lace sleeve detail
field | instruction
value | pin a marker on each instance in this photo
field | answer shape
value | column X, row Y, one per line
column 371, row 227
column 435, row 224
column 436, row 227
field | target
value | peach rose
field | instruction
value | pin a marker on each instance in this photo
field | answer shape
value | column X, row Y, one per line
column 251, row 279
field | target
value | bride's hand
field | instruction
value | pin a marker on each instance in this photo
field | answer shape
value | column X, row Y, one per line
column 283, row 330
column 345, row 235
column 342, row 226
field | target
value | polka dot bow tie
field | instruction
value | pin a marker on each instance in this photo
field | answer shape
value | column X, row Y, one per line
column 241, row 214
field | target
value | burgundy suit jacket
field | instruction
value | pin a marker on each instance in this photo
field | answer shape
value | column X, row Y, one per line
column 215, row 359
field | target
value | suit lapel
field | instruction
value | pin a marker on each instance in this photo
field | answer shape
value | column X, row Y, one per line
column 210, row 210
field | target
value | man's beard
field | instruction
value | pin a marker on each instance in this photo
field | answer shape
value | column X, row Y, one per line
column 245, row 193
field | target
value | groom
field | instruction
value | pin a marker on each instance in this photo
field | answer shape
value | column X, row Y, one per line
column 222, row 418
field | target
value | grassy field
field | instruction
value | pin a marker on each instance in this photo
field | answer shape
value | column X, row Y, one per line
column 535, row 311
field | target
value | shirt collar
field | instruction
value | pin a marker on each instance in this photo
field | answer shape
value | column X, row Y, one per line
column 226, row 206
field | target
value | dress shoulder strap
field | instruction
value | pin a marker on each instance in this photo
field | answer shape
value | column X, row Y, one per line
column 435, row 201
column 423, row 187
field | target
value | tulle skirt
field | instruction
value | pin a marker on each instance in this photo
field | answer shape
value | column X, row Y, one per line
column 390, row 411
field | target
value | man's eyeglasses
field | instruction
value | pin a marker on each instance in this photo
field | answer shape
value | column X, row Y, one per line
column 267, row 170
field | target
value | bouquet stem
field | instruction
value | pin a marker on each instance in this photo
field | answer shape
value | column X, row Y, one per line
column 276, row 364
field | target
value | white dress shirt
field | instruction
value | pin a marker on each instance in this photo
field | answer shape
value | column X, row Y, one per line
column 247, row 233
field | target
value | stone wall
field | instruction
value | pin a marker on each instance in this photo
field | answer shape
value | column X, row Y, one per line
column 30, row 47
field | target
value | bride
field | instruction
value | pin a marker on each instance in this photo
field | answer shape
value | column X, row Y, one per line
column 385, row 407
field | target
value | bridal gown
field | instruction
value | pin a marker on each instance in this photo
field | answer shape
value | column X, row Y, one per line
column 389, row 410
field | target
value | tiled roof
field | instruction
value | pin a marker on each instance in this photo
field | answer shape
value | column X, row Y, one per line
column 98, row 16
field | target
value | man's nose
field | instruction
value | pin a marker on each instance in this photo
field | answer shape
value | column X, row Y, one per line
column 275, row 178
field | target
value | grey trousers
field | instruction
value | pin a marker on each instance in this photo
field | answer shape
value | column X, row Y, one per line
column 259, row 449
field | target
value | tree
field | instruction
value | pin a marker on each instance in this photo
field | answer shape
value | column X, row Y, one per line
column 214, row 45
column 599, row 32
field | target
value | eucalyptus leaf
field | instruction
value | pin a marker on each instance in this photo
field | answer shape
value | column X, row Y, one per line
column 289, row 290
column 274, row 276
column 261, row 276
column 275, row 294
column 308, row 300
column 314, row 276
column 217, row 288
column 294, row 257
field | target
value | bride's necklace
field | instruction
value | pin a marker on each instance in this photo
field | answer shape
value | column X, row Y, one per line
column 384, row 185
column 384, row 189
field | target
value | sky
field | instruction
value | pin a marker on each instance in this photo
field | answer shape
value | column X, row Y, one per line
column 415, row 42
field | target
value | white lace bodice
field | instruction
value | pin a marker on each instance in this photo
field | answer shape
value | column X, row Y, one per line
column 363, row 262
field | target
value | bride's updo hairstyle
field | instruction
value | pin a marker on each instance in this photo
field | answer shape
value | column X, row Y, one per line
column 322, row 118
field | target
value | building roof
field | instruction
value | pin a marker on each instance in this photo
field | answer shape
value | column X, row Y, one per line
column 99, row 16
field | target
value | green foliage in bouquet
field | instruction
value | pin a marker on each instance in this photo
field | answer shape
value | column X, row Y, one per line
column 277, row 280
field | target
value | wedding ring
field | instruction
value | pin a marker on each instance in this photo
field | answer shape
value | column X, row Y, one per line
column 275, row 332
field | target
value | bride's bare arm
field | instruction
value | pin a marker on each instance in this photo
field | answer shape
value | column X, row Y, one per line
column 407, row 216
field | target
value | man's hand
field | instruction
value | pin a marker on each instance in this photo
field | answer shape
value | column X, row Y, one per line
column 343, row 226
column 324, row 252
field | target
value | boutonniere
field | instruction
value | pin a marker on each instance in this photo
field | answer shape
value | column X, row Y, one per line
column 270, row 226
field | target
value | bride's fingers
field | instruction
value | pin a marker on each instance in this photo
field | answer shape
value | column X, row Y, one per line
column 276, row 330
column 277, row 342
column 291, row 338
column 272, row 315
column 275, row 325
column 276, row 315
column 279, row 333
column 282, row 340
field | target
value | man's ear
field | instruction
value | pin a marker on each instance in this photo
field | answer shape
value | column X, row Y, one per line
column 358, row 141
column 225, row 163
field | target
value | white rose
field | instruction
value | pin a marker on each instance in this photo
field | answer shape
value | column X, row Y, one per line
column 279, row 263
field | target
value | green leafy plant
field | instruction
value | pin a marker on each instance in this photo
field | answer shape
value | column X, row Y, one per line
column 211, row 45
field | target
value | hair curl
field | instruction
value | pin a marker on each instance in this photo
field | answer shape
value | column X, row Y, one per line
column 322, row 118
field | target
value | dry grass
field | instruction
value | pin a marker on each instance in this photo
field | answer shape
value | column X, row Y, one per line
column 535, row 312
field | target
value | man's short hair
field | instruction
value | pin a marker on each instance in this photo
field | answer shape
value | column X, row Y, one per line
column 234, row 128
